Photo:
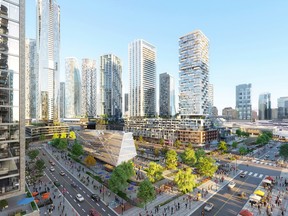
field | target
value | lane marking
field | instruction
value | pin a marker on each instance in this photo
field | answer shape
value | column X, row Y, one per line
column 83, row 210
column 260, row 176
column 84, row 192
column 255, row 174
column 97, row 204
column 74, row 200
column 70, row 195
column 103, row 209
column 250, row 173
column 245, row 172
column 78, row 204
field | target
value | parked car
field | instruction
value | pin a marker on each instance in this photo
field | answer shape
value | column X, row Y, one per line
column 52, row 169
column 209, row 206
column 242, row 175
column 56, row 183
column 95, row 197
column 62, row 173
column 52, row 163
column 74, row 185
column 79, row 197
column 231, row 184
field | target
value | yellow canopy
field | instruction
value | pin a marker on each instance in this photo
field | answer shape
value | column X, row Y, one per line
column 259, row 192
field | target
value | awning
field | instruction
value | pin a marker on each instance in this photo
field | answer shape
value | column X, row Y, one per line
column 267, row 181
column 245, row 212
column 259, row 192
column 25, row 201
column 255, row 197
column 45, row 195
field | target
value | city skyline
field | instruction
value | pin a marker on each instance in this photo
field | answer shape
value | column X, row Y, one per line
column 240, row 39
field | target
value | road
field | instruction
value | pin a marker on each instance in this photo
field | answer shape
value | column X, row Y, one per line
column 84, row 207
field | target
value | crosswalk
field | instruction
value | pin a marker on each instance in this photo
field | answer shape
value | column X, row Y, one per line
column 264, row 163
column 257, row 175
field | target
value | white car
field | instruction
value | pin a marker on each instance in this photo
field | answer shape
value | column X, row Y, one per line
column 62, row 173
column 231, row 184
column 79, row 197
column 52, row 169
column 208, row 207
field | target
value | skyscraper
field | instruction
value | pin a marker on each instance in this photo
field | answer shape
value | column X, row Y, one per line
column 142, row 76
column 282, row 107
column 72, row 88
column 243, row 101
column 167, row 95
column 211, row 99
column 111, row 85
column 31, row 79
column 12, row 98
column 193, row 73
column 264, row 107
column 89, row 87
column 48, row 46
column 62, row 100
column 126, row 106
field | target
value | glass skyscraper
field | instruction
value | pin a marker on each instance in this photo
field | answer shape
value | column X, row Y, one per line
column 193, row 73
column 62, row 99
column 243, row 101
column 264, row 107
column 48, row 46
column 12, row 98
column 72, row 88
column 142, row 75
column 282, row 103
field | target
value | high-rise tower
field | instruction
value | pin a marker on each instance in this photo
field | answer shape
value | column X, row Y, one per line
column 89, row 87
column 48, row 46
column 264, row 107
column 193, row 73
column 12, row 98
column 243, row 101
column 167, row 95
column 142, row 75
column 111, row 85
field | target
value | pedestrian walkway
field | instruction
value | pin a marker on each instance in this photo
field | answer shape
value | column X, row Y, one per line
column 254, row 174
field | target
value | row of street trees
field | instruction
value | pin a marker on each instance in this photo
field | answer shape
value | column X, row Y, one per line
column 264, row 138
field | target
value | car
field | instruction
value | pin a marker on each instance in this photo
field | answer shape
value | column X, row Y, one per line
column 52, row 169
column 52, row 163
column 93, row 212
column 74, row 185
column 62, row 173
column 79, row 197
column 56, row 183
column 95, row 197
column 209, row 206
column 231, row 184
column 43, row 153
column 242, row 175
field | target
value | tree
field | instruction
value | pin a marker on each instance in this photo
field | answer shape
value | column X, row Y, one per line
column 242, row 150
column 90, row 161
column 42, row 137
column 164, row 150
column 239, row 132
column 72, row 135
column 185, row 180
column 118, row 180
column 283, row 151
column 62, row 144
column 161, row 142
column 56, row 136
column 189, row 157
column 33, row 154
column 63, row 135
column 77, row 149
column 234, row 145
column 171, row 159
column 177, row 144
column 146, row 191
column 40, row 165
column 200, row 153
column 3, row 204
column 55, row 142
column 222, row 146
column 206, row 166
column 154, row 172
column 128, row 168
column 189, row 145
column 140, row 139
column 156, row 152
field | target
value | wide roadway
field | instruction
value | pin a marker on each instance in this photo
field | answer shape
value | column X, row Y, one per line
column 82, row 208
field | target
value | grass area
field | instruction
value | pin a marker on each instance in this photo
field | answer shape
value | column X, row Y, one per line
column 33, row 205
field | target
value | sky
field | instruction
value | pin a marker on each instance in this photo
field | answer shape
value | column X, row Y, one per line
column 248, row 39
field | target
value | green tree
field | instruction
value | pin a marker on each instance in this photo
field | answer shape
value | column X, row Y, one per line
column 146, row 191
column 185, row 180
column 161, row 142
column 118, row 180
column 56, row 136
column 171, row 159
column 234, row 145
column 283, row 151
column 40, row 165
column 62, row 144
column 154, row 171
column 164, row 150
column 89, row 161
column 239, row 132
column 128, row 168
column 42, row 137
column 189, row 145
column 189, row 157
column 77, row 149
column 63, row 136
column 72, row 135
column 222, row 146
column 156, row 152
column 206, row 166
column 243, row 150
column 177, row 144
column 3, row 204
column 33, row 154
column 200, row 153
column 55, row 142
column 140, row 139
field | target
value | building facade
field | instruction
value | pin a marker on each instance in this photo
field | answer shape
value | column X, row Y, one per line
column 210, row 98
column 62, row 99
column 166, row 95
column 111, row 85
column 243, row 101
column 142, row 76
column 48, row 47
column 31, row 79
column 274, row 113
column 229, row 113
column 89, row 88
column 72, row 88
column 264, row 107
column 12, row 98
column 282, row 103
column 193, row 74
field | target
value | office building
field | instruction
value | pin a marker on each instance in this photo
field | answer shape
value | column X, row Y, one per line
column 62, row 100
column 142, row 76
column 48, row 46
column 167, row 95
column 264, row 107
column 72, row 88
column 210, row 99
column 31, row 79
column 243, row 101
column 12, row 98
column 89, row 88
column 282, row 107
column 111, row 85
column 193, row 74
column 214, row 111
column 229, row 113
column 274, row 113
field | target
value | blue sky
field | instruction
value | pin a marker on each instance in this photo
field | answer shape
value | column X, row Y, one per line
column 248, row 39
